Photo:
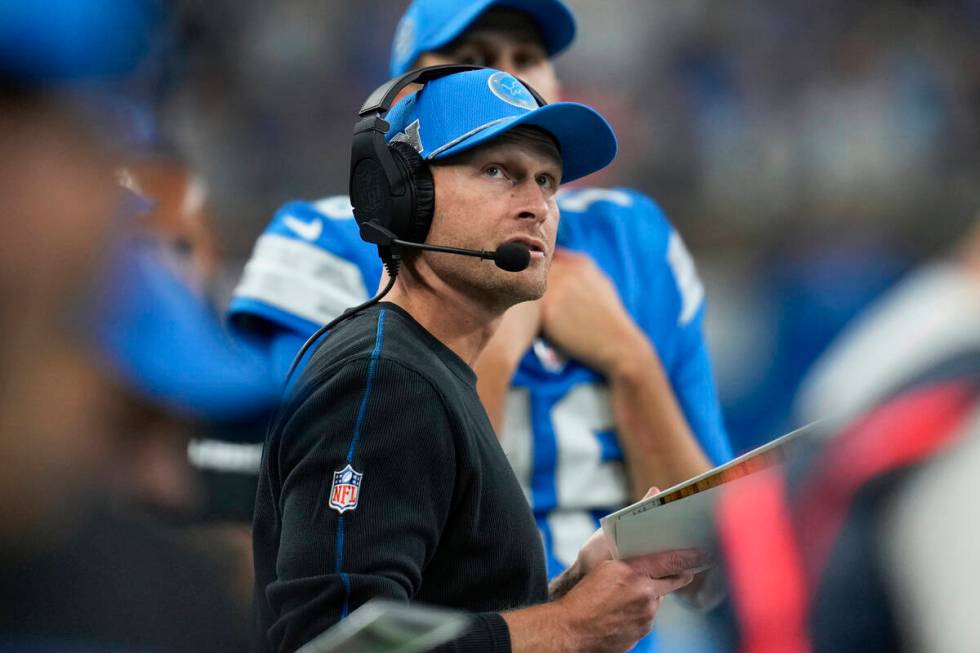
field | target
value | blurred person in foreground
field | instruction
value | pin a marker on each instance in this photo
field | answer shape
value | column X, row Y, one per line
column 215, row 397
column 929, row 315
column 598, row 391
column 106, row 570
column 78, row 571
column 165, row 345
column 867, row 542
column 233, row 392
column 423, row 505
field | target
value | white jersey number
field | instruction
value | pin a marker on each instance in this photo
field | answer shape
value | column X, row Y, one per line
column 583, row 480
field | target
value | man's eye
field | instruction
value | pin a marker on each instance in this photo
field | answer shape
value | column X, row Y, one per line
column 545, row 181
column 470, row 58
column 493, row 171
column 528, row 58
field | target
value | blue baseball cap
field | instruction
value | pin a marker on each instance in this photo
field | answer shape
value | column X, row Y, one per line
column 452, row 114
column 70, row 40
column 163, row 340
column 430, row 24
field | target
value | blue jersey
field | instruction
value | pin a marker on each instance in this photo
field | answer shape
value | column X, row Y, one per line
column 558, row 427
column 558, row 431
column 307, row 267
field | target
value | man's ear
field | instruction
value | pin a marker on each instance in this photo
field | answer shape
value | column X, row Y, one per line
column 408, row 90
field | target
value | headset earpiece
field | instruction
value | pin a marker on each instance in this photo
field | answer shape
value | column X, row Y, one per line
column 417, row 215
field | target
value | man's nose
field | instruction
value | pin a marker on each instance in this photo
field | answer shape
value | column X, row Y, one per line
column 505, row 62
column 507, row 65
column 532, row 201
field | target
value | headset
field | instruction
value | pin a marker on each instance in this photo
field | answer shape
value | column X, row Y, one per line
column 391, row 187
column 393, row 194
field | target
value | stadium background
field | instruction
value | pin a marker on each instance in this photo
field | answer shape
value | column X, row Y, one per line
column 810, row 153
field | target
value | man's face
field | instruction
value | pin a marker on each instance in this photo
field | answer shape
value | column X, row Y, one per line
column 179, row 216
column 500, row 193
column 519, row 54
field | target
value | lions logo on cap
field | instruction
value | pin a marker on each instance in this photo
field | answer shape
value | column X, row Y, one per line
column 411, row 135
column 345, row 490
column 511, row 91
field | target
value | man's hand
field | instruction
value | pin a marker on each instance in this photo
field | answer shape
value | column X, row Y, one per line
column 597, row 549
column 583, row 315
column 615, row 604
column 609, row 609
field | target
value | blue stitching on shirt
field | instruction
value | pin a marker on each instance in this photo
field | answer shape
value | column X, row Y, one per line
column 344, row 578
column 378, row 339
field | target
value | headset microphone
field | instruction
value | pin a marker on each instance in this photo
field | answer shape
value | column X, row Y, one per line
column 512, row 257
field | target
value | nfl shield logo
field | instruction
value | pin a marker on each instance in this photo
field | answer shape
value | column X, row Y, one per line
column 345, row 490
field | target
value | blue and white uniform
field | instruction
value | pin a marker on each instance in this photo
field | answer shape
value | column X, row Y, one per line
column 308, row 266
column 558, row 433
column 558, row 429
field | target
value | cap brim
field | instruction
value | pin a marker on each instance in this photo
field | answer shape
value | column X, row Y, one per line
column 554, row 20
column 586, row 140
column 165, row 341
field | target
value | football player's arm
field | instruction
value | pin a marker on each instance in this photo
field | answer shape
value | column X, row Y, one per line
column 582, row 313
column 659, row 446
column 500, row 358
column 331, row 562
column 307, row 267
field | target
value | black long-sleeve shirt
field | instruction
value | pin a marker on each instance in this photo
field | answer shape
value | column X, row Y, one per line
column 439, row 516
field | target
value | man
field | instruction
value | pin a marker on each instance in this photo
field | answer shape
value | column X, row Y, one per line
column 859, row 520
column 230, row 391
column 180, row 213
column 837, row 552
column 76, row 572
column 423, row 505
column 598, row 391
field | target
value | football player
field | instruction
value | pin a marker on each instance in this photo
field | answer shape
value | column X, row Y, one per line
column 598, row 391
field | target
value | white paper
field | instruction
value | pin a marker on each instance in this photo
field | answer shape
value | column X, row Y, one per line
column 652, row 526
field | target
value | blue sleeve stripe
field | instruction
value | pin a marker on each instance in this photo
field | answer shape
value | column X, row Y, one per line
column 378, row 340
column 344, row 578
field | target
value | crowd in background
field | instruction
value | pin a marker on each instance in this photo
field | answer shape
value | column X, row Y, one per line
column 808, row 152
